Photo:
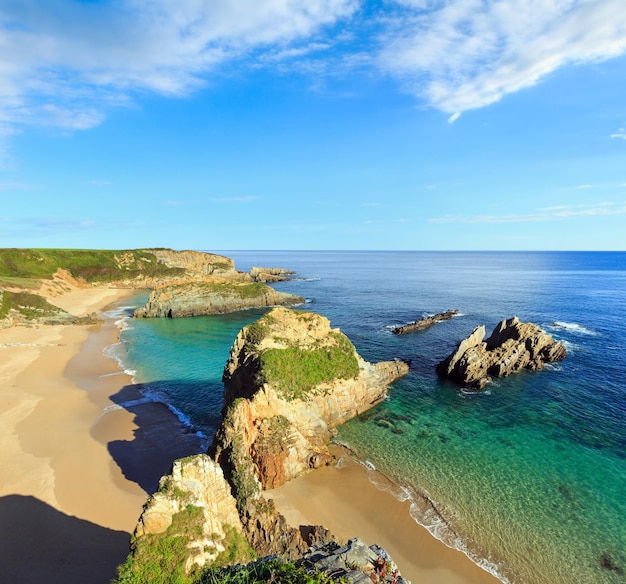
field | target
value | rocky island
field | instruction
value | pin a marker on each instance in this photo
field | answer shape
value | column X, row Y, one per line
column 289, row 382
column 512, row 347
column 424, row 323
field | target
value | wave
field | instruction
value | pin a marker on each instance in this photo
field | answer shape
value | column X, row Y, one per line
column 426, row 512
column 574, row 328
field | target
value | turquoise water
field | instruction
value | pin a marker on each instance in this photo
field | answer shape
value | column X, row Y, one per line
column 527, row 477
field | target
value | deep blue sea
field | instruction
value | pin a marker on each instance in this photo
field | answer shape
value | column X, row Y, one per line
column 527, row 477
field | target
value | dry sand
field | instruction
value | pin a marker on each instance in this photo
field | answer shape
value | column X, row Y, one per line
column 76, row 467
column 344, row 500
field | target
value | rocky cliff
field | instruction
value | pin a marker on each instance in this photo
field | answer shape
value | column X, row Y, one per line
column 512, row 346
column 289, row 382
column 202, row 264
column 211, row 296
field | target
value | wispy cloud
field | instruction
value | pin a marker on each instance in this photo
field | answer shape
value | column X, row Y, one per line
column 464, row 55
column 621, row 133
column 71, row 60
column 546, row 214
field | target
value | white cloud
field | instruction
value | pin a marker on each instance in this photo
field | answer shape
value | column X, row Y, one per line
column 460, row 55
column 621, row 133
column 545, row 214
column 70, row 60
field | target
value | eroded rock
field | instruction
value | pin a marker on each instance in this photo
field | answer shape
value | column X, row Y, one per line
column 511, row 347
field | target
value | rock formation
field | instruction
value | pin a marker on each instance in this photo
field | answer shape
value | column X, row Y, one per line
column 512, row 346
column 193, row 502
column 299, row 380
column 210, row 296
column 289, row 381
column 424, row 323
column 270, row 274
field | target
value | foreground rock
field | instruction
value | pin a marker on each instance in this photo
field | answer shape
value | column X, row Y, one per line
column 424, row 323
column 193, row 504
column 205, row 297
column 354, row 562
column 512, row 346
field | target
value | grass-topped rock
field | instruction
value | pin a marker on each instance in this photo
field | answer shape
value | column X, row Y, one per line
column 289, row 381
column 205, row 297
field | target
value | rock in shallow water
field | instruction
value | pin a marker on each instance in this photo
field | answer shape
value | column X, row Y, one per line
column 512, row 346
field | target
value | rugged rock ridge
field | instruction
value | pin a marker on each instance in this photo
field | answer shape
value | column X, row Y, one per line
column 194, row 502
column 424, row 323
column 299, row 379
column 512, row 346
column 197, row 263
column 270, row 274
column 210, row 296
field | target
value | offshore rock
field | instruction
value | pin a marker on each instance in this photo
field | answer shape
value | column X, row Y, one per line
column 512, row 346
column 270, row 274
column 424, row 323
column 210, row 296
column 289, row 382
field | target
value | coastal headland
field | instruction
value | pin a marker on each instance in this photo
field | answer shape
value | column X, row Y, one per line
column 80, row 461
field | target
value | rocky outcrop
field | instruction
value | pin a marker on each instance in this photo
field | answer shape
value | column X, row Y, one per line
column 270, row 274
column 354, row 562
column 512, row 346
column 289, row 382
column 424, row 323
column 194, row 502
column 201, row 264
column 204, row 297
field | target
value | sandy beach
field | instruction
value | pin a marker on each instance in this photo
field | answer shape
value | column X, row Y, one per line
column 77, row 464
column 345, row 501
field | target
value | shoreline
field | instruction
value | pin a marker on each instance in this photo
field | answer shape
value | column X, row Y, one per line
column 78, row 464
column 344, row 500
column 82, row 456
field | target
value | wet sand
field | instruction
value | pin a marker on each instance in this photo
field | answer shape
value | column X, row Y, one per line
column 344, row 500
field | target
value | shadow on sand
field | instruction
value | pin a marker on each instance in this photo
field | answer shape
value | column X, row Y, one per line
column 159, row 439
column 40, row 544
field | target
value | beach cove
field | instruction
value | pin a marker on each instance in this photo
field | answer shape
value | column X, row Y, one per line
column 68, row 506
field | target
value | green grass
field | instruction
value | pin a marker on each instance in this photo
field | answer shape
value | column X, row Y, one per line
column 92, row 265
column 13, row 282
column 31, row 306
column 297, row 371
column 268, row 570
column 227, row 289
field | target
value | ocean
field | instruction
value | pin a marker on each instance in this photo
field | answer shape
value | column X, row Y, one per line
column 527, row 477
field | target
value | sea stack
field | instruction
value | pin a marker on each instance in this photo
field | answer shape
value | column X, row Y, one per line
column 512, row 346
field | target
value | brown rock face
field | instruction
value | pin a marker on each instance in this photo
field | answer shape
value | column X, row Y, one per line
column 210, row 296
column 512, row 346
column 285, row 428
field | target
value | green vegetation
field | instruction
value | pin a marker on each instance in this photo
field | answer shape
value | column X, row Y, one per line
column 229, row 289
column 296, row 371
column 275, row 436
column 160, row 558
column 268, row 570
column 91, row 265
column 236, row 549
column 29, row 305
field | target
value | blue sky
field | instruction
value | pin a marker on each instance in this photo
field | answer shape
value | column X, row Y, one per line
column 313, row 124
